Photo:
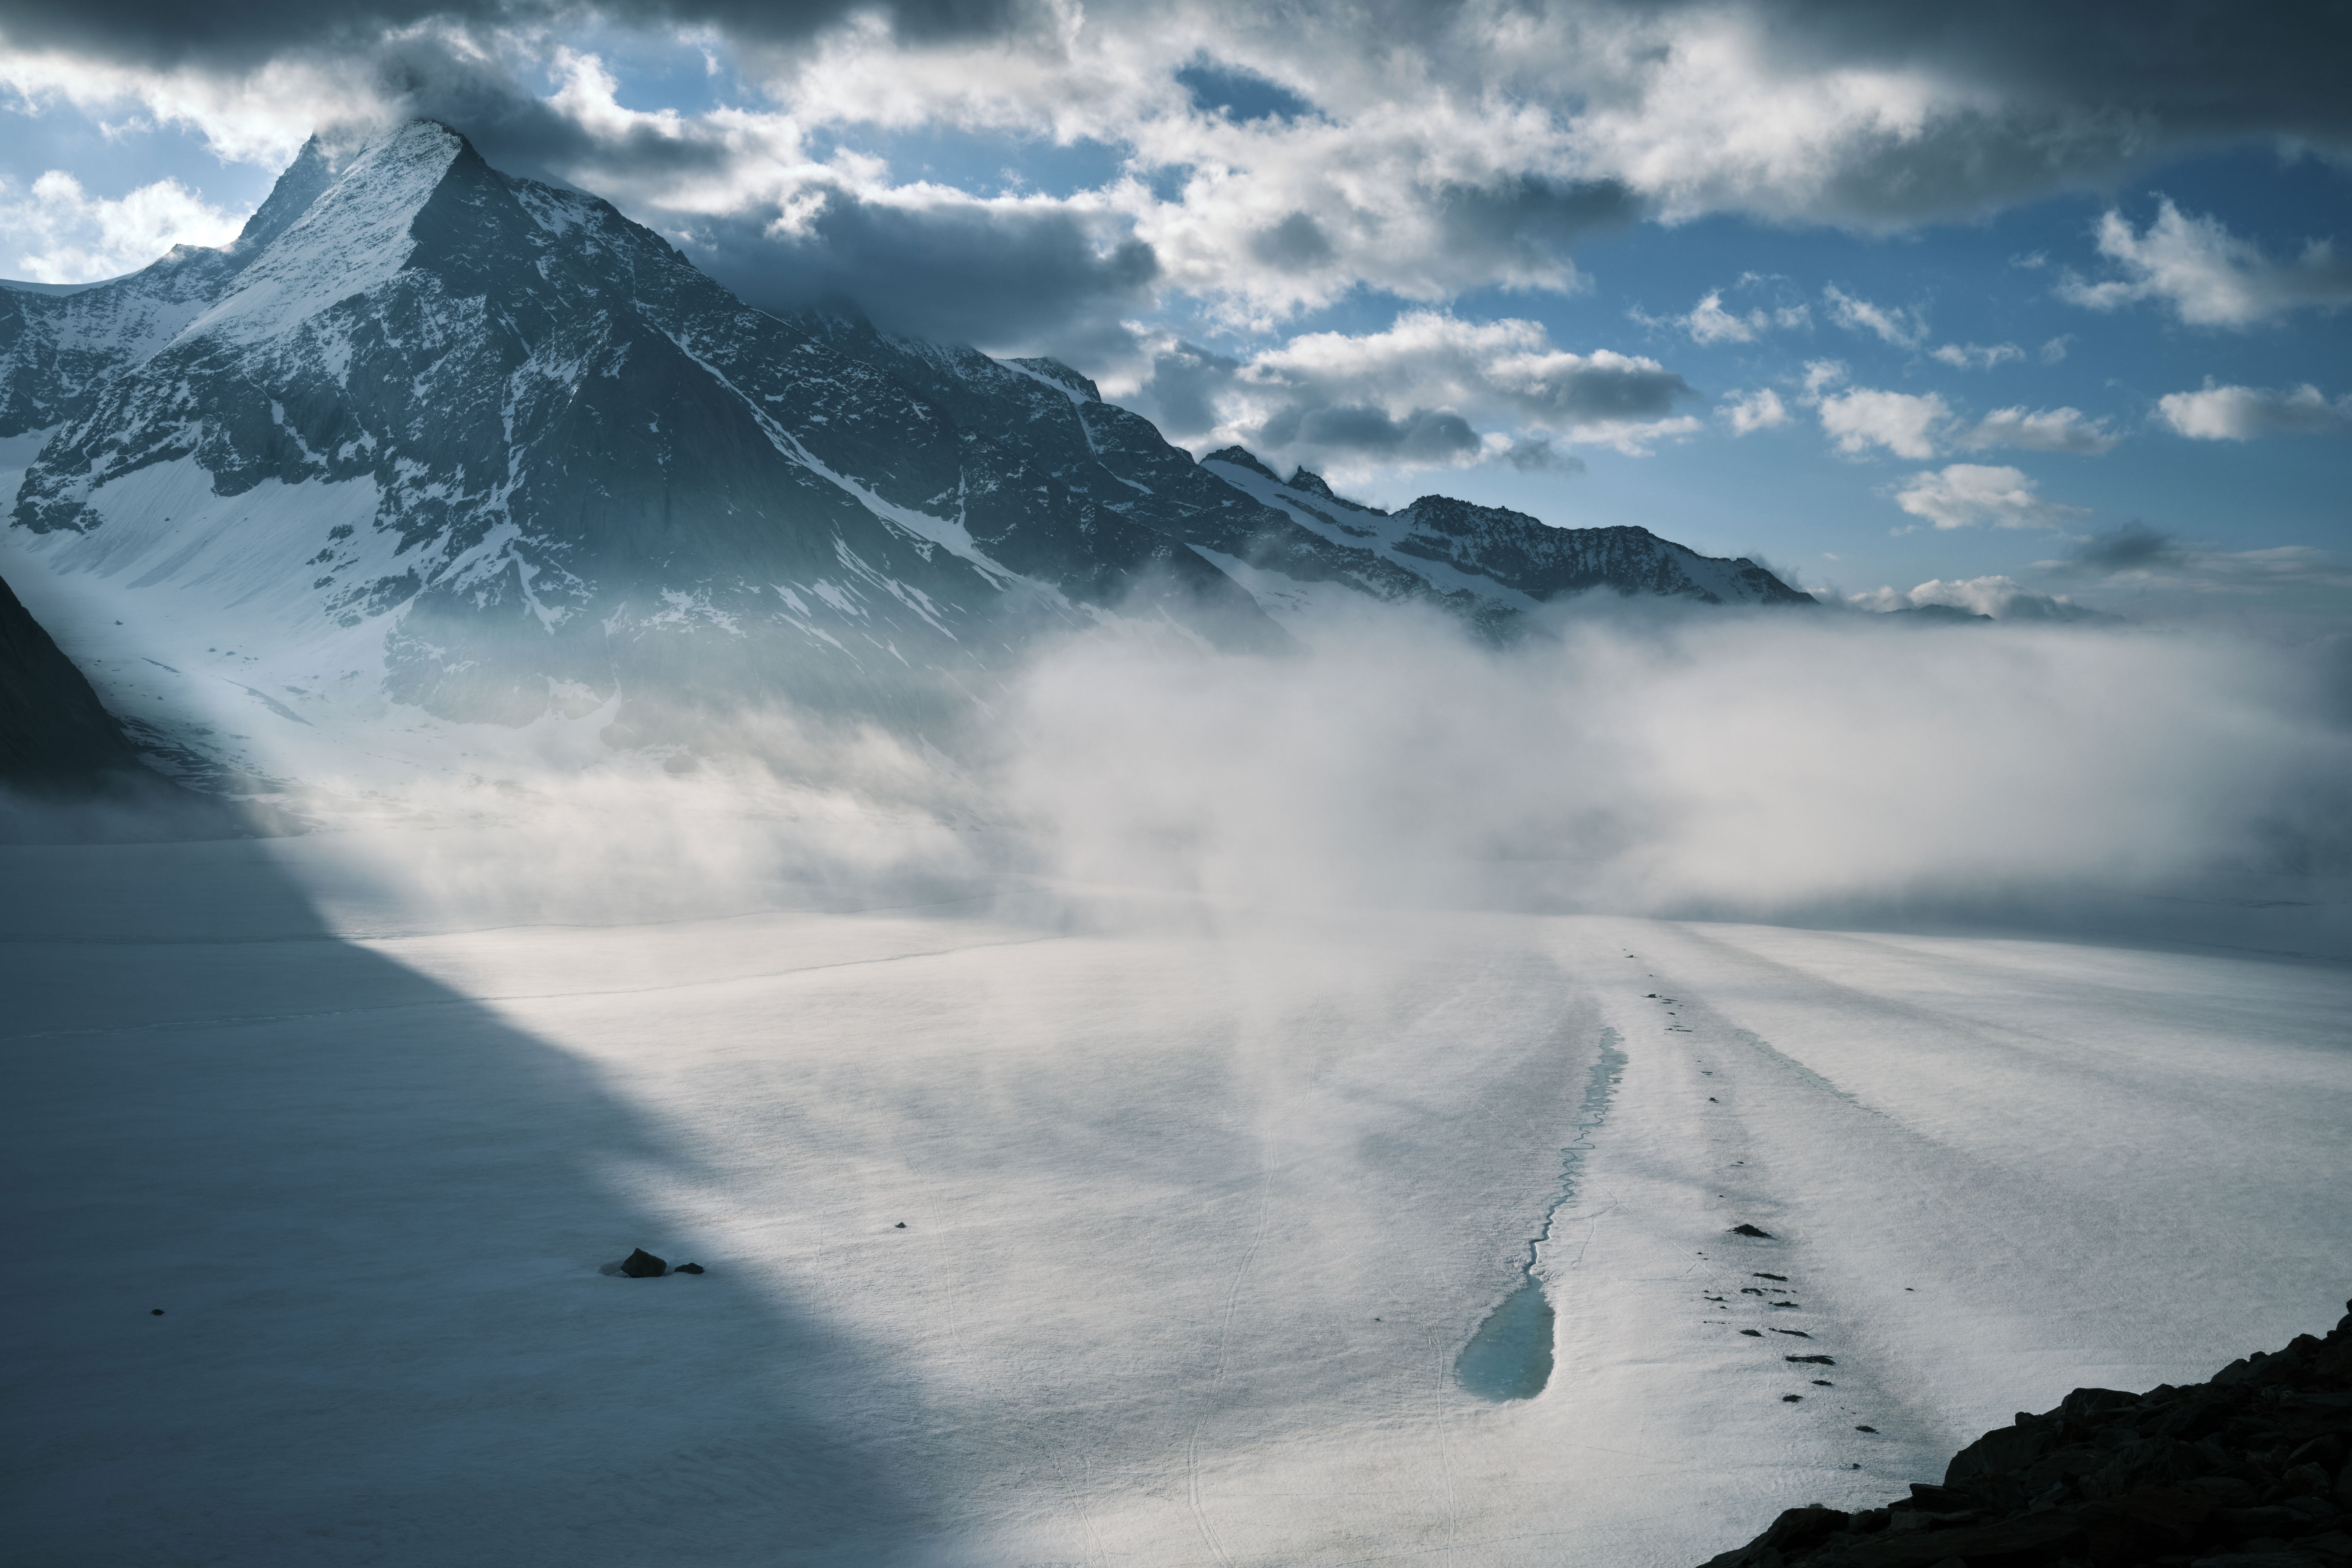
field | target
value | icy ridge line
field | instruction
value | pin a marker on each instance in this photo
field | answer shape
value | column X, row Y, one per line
column 2252, row 1468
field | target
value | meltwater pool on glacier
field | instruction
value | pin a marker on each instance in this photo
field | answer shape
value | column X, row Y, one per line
column 1510, row 1356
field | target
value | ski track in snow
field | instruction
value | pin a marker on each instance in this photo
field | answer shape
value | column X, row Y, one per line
column 1197, row 1224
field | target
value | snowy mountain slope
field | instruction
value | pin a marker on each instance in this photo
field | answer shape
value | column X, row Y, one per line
column 57, row 345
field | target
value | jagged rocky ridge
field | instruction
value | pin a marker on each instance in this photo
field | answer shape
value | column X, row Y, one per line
column 2251, row 1469
column 1489, row 563
column 503, row 453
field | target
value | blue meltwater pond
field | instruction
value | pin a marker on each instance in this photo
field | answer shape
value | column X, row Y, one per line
column 1510, row 1356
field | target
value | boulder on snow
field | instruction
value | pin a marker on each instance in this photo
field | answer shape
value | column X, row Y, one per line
column 1751, row 1230
column 643, row 1265
column 687, row 1269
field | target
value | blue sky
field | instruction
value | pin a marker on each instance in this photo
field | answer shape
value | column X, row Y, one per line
column 1981, row 307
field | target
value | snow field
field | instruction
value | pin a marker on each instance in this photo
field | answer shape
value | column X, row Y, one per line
column 1197, row 1220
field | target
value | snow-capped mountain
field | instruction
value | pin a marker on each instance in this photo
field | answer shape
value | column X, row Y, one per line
column 431, row 437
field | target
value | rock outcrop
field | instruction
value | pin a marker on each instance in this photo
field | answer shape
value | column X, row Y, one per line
column 54, row 735
column 2251, row 1469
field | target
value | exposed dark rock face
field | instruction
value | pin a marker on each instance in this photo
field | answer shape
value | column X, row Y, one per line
column 2251, row 1469
column 643, row 1265
column 55, row 736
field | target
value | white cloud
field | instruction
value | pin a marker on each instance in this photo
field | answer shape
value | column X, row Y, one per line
column 258, row 116
column 1708, row 322
column 2054, row 351
column 2003, row 598
column 1976, row 356
column 2209, row 276
column 2042, row 431
column 1420, row 393
column 1965, row 495
column 2243, row 412
column 1759, row 410
column 1820, row 374
column 1903, row 423
column 65, row 234
column 1902, row 328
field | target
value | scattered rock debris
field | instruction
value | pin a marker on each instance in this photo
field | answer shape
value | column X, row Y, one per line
column 155, row 1311
column 1784, row 1279
column 1753, row 1333
column 1812, row 1359
column 1823, row 1383
column 1745, row 1229
column 1793, row 1333
column 1791, row 1398
column 2250, row 1469
column 689, row 1268
column 643, row 1265
column 900, row 1226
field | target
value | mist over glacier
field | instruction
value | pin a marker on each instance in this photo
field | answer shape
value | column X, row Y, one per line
column 1629, row 759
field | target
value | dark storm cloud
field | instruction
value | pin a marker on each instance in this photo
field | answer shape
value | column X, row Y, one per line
column 1423, row 435
column 2073, row 95
column 1605, row 392
column 521, row 133
column 1179, row 395
column 1296, row 244
column 1526, row 221
column 995, row 277
column 2195, row 64
column 1537, row 455
column 2133, row 545
column 244, row 33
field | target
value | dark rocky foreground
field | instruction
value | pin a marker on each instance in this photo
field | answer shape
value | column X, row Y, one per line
column 67, row 772
column 2252, row 1469
column 54, row 733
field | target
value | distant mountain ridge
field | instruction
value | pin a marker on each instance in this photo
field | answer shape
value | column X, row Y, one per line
column 486, row 449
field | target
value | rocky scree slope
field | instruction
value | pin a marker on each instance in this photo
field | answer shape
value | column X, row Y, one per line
column 506, row 454
column 2251, row 1469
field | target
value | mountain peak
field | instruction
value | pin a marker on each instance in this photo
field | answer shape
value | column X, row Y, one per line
column 1241, row 458
column 350, row 234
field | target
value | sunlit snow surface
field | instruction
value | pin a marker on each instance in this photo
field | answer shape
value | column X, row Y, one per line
column 1200, row 1211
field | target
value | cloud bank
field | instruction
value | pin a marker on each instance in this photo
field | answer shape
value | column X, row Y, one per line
column 1657, row 765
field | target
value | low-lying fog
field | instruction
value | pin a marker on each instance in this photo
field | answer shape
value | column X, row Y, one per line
column 1640, row 760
